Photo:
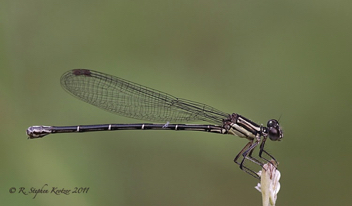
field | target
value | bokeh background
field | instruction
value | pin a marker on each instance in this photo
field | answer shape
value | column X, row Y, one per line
column 262, row 59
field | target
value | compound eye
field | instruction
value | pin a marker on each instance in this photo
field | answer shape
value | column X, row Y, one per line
column 272, row 123
column 274, row 130
column 274, row 134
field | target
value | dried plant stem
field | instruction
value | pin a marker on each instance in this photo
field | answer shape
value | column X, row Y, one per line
column 269, row 185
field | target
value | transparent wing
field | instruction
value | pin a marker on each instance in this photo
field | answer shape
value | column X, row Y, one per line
column 132, row 100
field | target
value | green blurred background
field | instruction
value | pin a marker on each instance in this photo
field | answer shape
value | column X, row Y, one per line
column 262, row 59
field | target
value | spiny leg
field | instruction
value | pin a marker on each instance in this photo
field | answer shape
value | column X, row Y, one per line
column 248, row 154
column 248, row 148
column 253, row 159
column 262, row 150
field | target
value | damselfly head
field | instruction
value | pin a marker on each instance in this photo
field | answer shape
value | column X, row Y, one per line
column 274, row 130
